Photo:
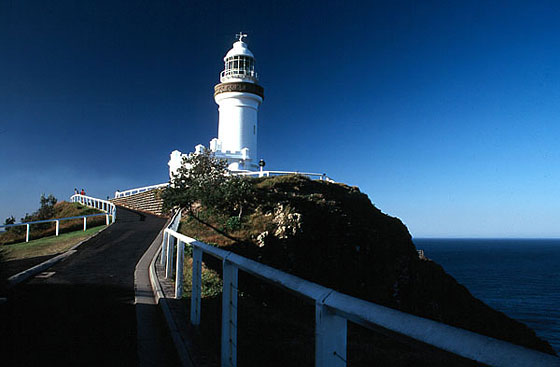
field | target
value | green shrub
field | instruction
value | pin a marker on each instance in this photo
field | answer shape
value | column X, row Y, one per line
column 232, row 224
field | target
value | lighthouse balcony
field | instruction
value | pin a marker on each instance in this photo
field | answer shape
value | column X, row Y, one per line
column 238, row 74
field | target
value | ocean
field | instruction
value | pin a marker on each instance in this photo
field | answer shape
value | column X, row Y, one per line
column 520, row 277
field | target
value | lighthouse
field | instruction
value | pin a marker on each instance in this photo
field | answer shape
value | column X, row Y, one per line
column 239, row 97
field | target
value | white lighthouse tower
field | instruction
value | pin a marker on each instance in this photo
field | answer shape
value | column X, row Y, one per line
column 238, row 96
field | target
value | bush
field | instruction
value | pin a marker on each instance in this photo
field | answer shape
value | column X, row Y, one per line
column 8, row 221
column 233, row 223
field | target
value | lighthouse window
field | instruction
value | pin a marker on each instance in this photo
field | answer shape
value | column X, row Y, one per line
column 240, row 66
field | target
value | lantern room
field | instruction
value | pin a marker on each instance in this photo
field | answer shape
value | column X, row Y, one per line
column 239, row 64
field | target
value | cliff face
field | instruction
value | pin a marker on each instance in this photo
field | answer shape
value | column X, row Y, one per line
column 333, row 235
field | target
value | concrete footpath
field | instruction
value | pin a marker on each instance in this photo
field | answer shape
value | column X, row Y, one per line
column 81, row 311
column 152, row 325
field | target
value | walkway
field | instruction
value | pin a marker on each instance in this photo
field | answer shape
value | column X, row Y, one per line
column 81, row 311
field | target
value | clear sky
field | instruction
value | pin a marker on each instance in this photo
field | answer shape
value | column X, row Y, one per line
column 444, row 112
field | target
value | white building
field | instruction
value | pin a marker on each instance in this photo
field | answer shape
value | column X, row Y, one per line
column 238, row 96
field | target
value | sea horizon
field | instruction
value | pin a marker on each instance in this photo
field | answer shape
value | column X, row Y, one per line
column 517, row 276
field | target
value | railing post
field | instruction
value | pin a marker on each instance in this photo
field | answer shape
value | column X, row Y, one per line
column 229, row 315
column 169, row 265
column 196, row 285
column 85, row 225
column 27, row 234
column 164, row 249
column 57, row 227
column 330, row 337
column 179, row 269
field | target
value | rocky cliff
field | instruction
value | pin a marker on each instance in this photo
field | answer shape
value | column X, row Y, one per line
column 332, row 234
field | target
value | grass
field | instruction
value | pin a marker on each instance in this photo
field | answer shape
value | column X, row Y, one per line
column 46, row 245
column 211, row 282
column 63, row 209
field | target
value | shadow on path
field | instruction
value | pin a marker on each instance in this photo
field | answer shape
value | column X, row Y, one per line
column 84, row 314
column 9, row 268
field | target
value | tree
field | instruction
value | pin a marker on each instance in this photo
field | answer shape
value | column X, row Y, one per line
column 237, row 192
column 204, row 181
column 8, row 221
column 46, row 211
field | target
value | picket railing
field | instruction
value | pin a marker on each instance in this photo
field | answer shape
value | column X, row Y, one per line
column 107, row 207
column 332, row 311
column 103, row 205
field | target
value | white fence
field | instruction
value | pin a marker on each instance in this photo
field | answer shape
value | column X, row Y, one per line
column 319, row 176
column 104, row 205
column 120, row 194
column 332, row 311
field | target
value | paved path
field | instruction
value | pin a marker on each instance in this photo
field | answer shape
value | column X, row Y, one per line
column 84, row 313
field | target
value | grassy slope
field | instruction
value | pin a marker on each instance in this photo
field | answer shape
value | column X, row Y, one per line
column 63, row 209
column 47, row 245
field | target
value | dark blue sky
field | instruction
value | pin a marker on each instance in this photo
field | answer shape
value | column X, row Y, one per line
column 445, row 113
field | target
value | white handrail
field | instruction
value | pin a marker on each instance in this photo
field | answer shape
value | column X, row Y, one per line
column 333, row 310
column 110, row 211
column 120, row 194
column 103, row 205
column 320, row 176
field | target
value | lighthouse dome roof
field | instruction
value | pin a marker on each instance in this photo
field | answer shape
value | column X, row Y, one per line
column 239, row 49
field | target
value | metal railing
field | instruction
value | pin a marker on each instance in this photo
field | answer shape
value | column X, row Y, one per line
column 120, row 194
column 238, row 74
column 85, row 200
column 319, row 176
column 332, row 311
